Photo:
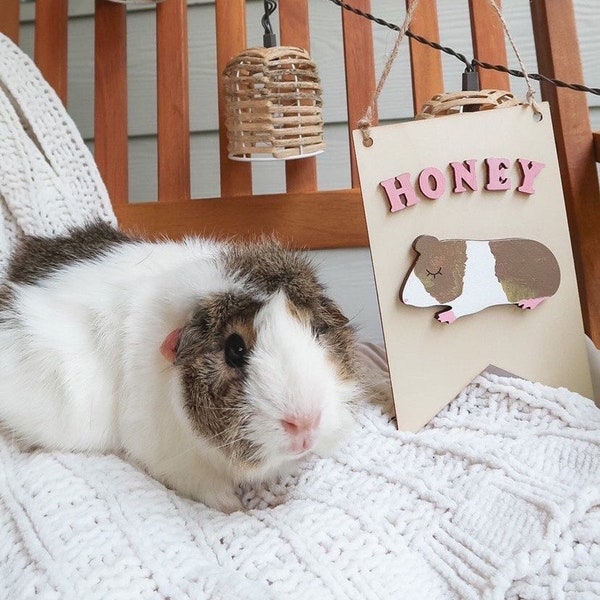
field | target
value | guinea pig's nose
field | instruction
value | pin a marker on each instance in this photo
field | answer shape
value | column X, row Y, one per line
column 301, row 429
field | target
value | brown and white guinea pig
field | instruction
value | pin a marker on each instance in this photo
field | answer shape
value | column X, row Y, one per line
column 467, row 276
column 208, row 363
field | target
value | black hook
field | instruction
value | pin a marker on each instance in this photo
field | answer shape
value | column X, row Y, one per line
column 269, row 38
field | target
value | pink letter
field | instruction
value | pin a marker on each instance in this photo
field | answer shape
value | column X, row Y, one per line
column 497, row 179
column 433, row 193
column 395, row 193
column 464, row 172
column 531, row 169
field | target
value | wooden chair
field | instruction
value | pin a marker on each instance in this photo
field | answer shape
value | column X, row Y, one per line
column 307, row 216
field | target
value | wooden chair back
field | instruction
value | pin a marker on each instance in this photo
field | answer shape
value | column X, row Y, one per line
column 305, row 215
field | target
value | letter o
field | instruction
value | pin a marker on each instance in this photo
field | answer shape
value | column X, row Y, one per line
column 429, row 191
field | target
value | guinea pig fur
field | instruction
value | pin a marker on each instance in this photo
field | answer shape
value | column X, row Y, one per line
column 207, row 363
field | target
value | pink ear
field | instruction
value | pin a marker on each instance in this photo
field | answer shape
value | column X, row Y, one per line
column 169, row 347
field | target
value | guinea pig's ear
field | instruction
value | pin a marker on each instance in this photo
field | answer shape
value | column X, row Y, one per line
column 170, row 345
column 424, row 242
column 331, row 314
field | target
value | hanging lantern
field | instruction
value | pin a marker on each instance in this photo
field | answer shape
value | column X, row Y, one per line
column 273, row 102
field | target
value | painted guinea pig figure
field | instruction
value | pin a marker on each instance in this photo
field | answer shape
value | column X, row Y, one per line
column 207, row 363
column 470, row 275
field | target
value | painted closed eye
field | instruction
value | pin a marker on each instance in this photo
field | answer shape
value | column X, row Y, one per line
column 434, row 275
column 236, row 352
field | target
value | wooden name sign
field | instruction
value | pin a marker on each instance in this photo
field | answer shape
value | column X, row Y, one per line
column 466, row 217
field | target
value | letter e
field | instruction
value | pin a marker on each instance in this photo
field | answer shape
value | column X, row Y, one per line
column 497, row 179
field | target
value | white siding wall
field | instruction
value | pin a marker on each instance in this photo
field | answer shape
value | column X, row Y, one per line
column 348, row 273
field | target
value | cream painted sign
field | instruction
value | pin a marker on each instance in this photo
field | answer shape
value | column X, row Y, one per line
column 471, row 254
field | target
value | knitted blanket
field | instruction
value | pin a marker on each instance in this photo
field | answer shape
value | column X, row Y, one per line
column 498, row 497
column 48, row 178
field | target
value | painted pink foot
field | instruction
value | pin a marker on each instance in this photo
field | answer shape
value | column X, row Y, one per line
column 446, row 317
column 531, row 302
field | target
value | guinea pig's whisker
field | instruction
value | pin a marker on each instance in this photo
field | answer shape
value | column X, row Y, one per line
column 178, row 456
column 234, row 427
column 220, row 408
column 212, row 437
column 231, row 442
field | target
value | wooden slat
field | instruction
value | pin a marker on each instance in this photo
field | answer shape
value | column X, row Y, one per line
column 596, row 138
column 173, row 101
column 236, row 177
column 300, row 175
column 110, row 108
column 360, row 71
column 426, row 63
column 558, row 56
column 487, row 36
column 302, row 220
column 9, row 19
column 50, row 44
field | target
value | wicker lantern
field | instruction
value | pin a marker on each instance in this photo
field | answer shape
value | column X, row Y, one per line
column 273, row 105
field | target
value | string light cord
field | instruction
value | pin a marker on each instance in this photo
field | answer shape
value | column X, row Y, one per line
column 469, row 64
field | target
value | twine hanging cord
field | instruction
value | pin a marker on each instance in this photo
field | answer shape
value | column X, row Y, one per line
column 470, row 65
column 530, row 91
column 365, row 123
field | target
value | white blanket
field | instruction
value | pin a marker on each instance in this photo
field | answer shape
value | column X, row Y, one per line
column 498, row 497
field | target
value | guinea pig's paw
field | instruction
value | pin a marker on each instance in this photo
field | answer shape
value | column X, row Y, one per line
column 224, row 500
column 446, row 316
column 530, row 303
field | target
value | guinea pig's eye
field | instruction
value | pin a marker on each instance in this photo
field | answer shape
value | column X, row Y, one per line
column 236, row 353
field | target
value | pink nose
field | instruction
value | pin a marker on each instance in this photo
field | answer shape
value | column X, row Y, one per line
column 301, row 429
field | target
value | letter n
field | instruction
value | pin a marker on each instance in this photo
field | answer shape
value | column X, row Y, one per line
column 464, row 172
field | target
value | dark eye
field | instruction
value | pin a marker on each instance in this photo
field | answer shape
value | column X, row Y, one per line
column 236, row 353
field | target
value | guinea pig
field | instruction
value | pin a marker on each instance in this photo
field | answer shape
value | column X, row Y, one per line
column 207, row 363
column 470, row 275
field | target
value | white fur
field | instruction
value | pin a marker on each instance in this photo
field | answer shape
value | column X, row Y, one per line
column 290, row 375
column 415, row 294
column 81, row 367
column 481, row 287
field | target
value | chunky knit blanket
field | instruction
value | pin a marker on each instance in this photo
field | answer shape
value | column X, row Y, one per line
column 498, row 497
column 48, row 179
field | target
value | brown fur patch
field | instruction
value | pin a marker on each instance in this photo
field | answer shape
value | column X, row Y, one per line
column 6, row 303
column 526, row 269
column 39, row 257
column 441, row 266
column 267, row 267
column 214, row 391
